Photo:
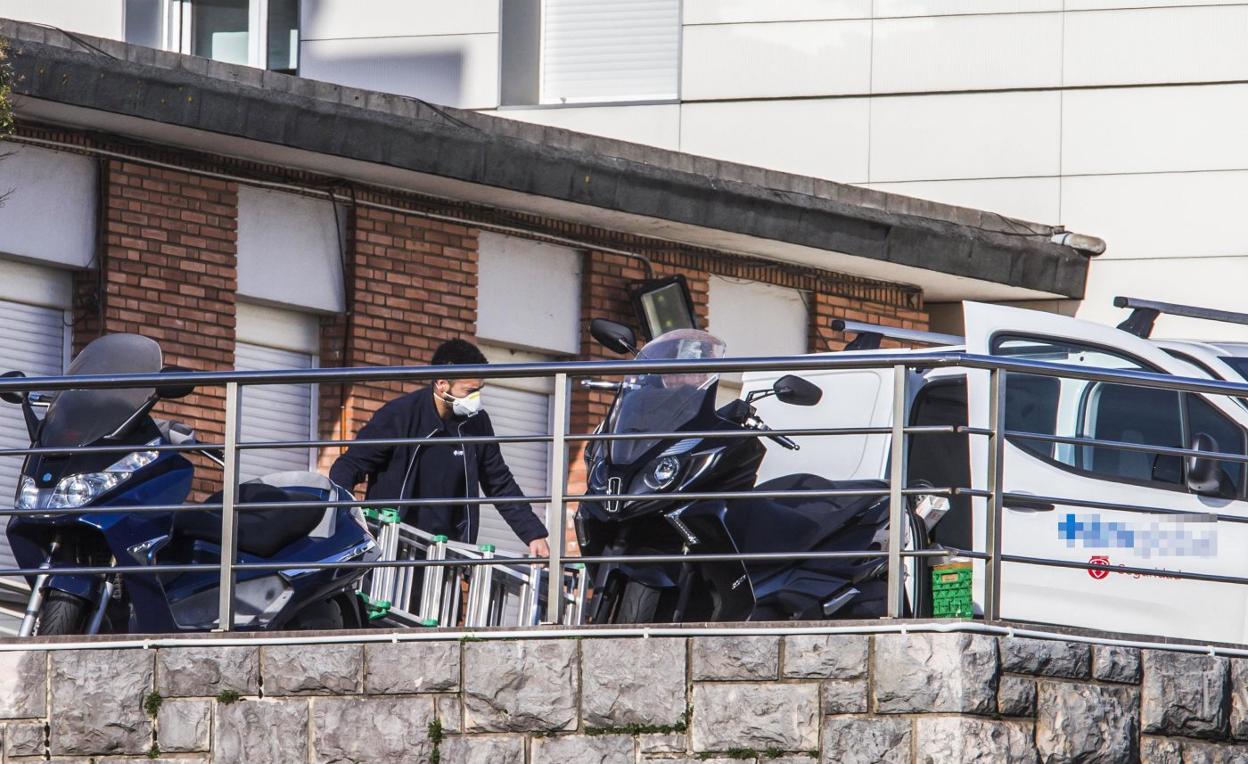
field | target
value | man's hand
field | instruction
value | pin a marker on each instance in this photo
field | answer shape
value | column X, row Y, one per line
column 539, row 548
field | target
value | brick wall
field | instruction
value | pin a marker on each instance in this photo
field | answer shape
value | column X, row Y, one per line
column 170, row 273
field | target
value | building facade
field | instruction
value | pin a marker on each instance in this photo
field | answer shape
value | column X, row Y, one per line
column 258, row 221
column 1103, row 115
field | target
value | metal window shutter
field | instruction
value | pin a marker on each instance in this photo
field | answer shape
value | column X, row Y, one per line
column 609, row 50
column 31, row 340
column 274, row 412
column 517, row 412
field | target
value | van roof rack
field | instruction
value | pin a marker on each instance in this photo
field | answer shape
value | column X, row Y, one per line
column 1144, row 314
column 870, row 335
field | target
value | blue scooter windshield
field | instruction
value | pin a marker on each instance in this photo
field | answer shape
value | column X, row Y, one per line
column 81, row 417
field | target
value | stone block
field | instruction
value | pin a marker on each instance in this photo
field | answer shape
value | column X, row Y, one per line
column 583, row 749
column 520, row 685
column 450, row 713
column 1198, row 752
column 1112, row 663
column 206, row 671
column 972, row 741
column 25, row 739
column 932, row 673
column 482, row 749
column 673, row 742
column 725, row 658
column 97, row 702
column 865, row 740
column 361, row 730
column 184, row 725
column 1087, row 723
column 1046, row 657
column 632, row 681
column 1185, row 694
column 1016, row 696
column 23, row 684
column 312, row 669
column 410, row 667
column 843, row 697
column 261, row 731
column 1239, row 698
column 759, row 716
column 1160, row 750
column 827, row 656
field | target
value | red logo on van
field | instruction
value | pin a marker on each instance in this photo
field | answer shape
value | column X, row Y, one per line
column 1101, row 569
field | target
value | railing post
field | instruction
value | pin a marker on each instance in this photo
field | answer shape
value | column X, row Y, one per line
column 229, row 494
column 896, row 500
column 992, row 526
column 556, row 515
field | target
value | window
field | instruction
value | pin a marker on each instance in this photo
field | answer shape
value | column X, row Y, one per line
column 1123, row 413
column 589, row 51
column 260, row 33
column 943, row 459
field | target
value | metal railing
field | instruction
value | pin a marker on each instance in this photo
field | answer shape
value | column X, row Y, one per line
column 558, row 498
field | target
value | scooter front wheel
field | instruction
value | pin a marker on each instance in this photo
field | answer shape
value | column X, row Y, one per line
column 638, row 604
column 62, row 613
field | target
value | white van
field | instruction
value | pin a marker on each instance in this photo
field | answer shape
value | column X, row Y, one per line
column 1093, row 595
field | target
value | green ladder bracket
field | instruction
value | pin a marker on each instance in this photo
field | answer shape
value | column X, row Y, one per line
column 375, row 608
column 387, row 515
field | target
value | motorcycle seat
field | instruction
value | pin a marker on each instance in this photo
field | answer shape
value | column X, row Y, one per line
column 797, row 524
column 262, row 532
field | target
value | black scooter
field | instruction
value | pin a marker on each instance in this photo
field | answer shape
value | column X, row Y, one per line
column 696, row 591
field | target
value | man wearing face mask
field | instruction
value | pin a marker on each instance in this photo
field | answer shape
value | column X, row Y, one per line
column 433, row 468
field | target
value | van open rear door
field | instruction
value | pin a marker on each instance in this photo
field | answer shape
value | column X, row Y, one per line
column 1056, row 525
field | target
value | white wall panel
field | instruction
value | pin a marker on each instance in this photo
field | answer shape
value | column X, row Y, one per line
column 1035, row 199
column 288, row 250
column 651, row 124
column 1193, row 44
column 1155, row 129
column 967, row 52
column 453, row 70
column 101, row 18
column 821, row 138
column 888, row 8
column 1209, row 282
column 337, row 19
column 1165, row 215
column 528, row 293
column 774, row 60
column 49, row 213
column 737, row 11
column 990, row 135
column 756, row 319
column 1084, row 5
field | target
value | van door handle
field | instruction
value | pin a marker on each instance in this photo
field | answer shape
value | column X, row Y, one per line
column 1028, row 504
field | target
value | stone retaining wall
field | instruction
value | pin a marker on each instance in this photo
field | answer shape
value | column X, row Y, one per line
column 784, row 700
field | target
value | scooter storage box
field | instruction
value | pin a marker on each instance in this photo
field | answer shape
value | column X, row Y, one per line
column 951, row 591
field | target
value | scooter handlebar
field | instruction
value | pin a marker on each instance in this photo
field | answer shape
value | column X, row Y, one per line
column 781, row 440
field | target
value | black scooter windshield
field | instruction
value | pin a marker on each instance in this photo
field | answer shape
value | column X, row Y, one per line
column 81, row 417
column 663, row 402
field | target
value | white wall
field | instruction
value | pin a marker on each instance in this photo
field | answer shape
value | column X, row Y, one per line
column 289, row 250
column 49, row 207
column 100, row 18
column 528, row 294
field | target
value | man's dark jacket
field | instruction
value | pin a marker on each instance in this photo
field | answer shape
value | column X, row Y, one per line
column 391, row 470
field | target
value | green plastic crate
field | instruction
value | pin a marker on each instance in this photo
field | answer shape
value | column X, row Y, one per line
column 951, row 591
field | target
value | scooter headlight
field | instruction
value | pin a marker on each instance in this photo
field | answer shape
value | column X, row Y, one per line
column 662, row 473
column 28, row 494
column 77, row 490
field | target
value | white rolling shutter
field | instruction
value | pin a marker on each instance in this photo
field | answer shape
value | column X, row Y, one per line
column 517, row 412
column 275, row 412
column 31, row 340
column 609, row 50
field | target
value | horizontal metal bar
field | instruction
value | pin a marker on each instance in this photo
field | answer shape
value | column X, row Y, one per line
column 109, row 510
column 1120, row 445
column 53, row 450
column 1187, row 311
column 1152, row 572
column 896, row 333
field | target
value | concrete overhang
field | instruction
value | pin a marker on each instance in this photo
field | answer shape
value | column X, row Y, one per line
column 950, row 252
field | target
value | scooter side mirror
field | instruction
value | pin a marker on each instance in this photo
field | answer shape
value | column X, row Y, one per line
column 1204, row 476
column 613, row 336
column 796, row 391
column 167, row 392
column 13, row 396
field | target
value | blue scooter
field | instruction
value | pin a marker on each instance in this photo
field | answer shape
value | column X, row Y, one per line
column 66, row 533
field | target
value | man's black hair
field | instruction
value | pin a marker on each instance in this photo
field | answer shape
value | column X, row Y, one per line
column 458, row 353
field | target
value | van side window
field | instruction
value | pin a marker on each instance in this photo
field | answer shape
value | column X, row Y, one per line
column 1080, row 408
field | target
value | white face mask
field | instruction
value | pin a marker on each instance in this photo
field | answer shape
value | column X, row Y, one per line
column 468, row 406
